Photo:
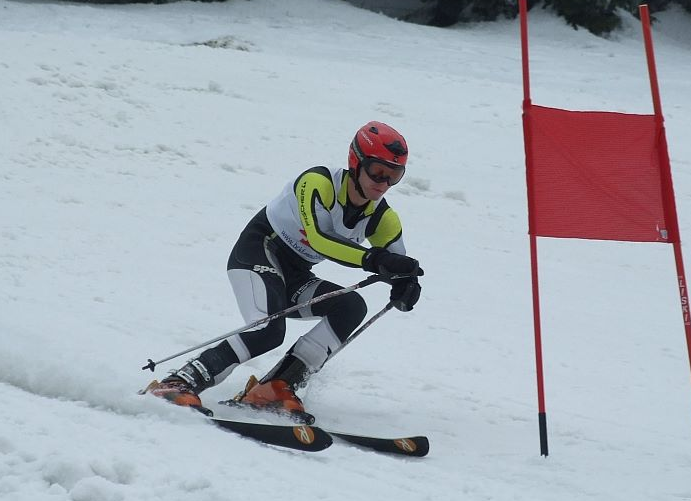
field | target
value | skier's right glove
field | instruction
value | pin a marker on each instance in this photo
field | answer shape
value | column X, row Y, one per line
column 379, row 260
column 405, row 292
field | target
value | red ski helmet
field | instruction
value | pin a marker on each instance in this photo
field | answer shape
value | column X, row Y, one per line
column 377, row 141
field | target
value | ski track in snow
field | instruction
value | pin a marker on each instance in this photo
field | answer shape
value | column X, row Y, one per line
column 140, row 139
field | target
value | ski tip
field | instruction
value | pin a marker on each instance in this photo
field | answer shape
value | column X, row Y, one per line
column 153, row 384
column 407, row 446
column 412, row 446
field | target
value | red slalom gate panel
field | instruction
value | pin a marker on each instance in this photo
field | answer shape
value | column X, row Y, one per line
column 595, row 175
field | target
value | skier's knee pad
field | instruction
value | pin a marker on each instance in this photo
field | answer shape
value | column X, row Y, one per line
column 346, row 314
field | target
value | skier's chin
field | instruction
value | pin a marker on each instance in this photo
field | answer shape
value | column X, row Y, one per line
column 375, row 194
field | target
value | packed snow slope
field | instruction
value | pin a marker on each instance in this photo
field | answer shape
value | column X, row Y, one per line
column 137, row 142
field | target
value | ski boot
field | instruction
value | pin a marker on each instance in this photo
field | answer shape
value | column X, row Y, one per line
column 275, row 396
column 183, row 386
column 174, row 390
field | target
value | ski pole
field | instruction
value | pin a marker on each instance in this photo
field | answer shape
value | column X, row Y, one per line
column 364, row 326
column 364, row 283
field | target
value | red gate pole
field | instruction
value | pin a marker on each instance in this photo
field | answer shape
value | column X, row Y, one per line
column 542, row 416
column 666, row 176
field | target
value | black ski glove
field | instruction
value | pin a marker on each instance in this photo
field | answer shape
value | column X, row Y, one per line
column 405, row 292
column 379, row 260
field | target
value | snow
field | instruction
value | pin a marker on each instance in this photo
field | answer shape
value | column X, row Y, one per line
column 133, row 154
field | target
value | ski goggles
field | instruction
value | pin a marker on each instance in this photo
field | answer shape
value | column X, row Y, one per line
column 381, row 172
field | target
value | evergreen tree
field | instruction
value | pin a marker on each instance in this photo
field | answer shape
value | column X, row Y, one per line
column 598, row 16
column 686, row 4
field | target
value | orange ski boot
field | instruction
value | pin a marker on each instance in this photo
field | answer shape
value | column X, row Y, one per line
column 275, row 396
column 174, row 390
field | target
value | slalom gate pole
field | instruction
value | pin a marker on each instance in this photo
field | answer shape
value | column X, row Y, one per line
column 666, row 176
column 542, row 414
column 364, row 283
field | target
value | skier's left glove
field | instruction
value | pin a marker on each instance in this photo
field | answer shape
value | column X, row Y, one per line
column 379, row 260
column 405, row 292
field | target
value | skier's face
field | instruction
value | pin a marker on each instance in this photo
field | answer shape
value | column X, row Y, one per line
column 380, row 172
column 372, row 189
column 377, row 177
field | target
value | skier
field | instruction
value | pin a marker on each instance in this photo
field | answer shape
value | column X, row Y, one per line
column 322, row 214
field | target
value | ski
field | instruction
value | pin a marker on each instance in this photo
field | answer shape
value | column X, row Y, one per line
column 312, row 438
column 304, row 437
column 406, row 446
column 299, row 437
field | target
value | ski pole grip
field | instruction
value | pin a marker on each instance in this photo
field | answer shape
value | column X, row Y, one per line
column 372, row 279
column 390, row 278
